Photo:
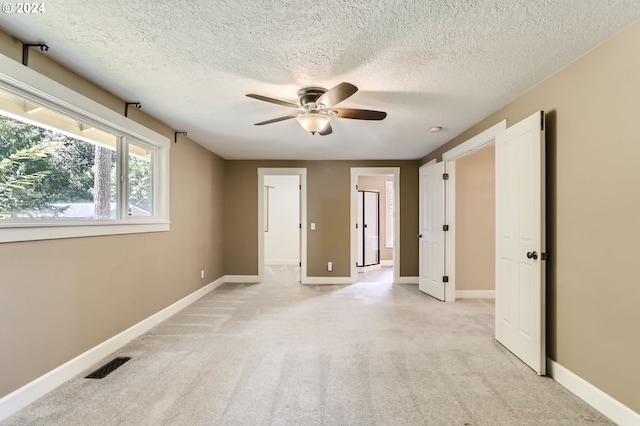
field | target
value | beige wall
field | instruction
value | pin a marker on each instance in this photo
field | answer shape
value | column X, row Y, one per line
column 475, row 221
column 59, row 298
column 593, row 204
column 328, row 206
column 377, row 183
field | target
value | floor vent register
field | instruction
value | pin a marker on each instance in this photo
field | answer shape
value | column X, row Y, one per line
column 108, row 368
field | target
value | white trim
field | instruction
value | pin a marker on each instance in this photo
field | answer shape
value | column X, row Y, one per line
column 302, row 172
column 57, row 231
column 375, row 171
column 601, row 401
column 242, row 279
column 388, row 262
column 475, row 294
column 26, row 83
column 407, row 280
column 479, row 141
column 282, row 262
column 328, row 280
column 35, row 389
column 450, row 236
column 482, row 140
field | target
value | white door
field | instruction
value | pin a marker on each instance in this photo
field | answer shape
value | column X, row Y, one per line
column 520, row 244
column 431, row 236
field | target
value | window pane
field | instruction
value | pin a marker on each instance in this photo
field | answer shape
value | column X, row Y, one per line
column 140, row 174
column 46, row 174
column 389, row 212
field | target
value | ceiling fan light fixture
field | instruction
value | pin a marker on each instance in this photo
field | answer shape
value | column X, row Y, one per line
column 313, row 122
column 317, row 108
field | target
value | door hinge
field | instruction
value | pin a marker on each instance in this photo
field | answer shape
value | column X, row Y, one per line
column 445, row 279
column 300, row 187
column 445, row 228
column 544, row 256
column 300, row 264
column 445, row 176
column 300, row 226
column 542, row 120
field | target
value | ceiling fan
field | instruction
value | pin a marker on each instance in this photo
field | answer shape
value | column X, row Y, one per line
column 316, row 108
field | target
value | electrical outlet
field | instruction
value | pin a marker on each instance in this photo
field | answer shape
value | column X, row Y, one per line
column 329, row 266
column 202, row 274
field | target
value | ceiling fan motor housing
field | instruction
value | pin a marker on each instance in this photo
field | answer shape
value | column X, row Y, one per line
column 309, row 95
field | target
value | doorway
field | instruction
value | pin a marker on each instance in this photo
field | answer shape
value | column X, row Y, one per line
column 282, row 217
column 475, row 221
column 368, row 229
column 382, row 263
column 475, row 144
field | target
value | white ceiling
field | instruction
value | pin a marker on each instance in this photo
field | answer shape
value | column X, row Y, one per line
column 446, row 63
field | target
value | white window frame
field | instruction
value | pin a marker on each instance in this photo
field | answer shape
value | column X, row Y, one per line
column 124, row 191
column 24, row 82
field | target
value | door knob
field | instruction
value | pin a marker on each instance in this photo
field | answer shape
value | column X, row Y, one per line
column 419, row 235
column 532, row 255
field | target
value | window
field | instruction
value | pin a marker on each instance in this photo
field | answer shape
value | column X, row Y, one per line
column 66, row 171
column 389, row 213
column 140, row 168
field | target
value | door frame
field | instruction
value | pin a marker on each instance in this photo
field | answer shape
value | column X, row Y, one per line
column 356, row 172
column 302, row 173
column 482, row 140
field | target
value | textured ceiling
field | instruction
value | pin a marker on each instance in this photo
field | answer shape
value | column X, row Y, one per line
column 426, row 63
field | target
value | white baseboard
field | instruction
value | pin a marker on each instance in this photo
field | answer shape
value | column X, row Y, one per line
column 241, row 279
column 327, row 280
column 601, row 401
column 35, row 389
column 282, row 262
column 407, row 280
column 475, row 294
column 387, row 262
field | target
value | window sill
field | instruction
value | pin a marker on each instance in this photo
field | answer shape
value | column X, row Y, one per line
column 35, row 232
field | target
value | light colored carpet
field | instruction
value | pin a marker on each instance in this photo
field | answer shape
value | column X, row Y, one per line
column 384, row 274
column 279, row 353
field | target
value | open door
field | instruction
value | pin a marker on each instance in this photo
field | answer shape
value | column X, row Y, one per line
column 431, row 245
column 520, row 243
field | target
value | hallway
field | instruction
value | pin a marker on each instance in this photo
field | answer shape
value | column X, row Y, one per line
column 382, row 275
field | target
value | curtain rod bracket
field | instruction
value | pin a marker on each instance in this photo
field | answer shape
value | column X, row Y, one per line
column 25, row 51
column 175, row 136
column 126, row 107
